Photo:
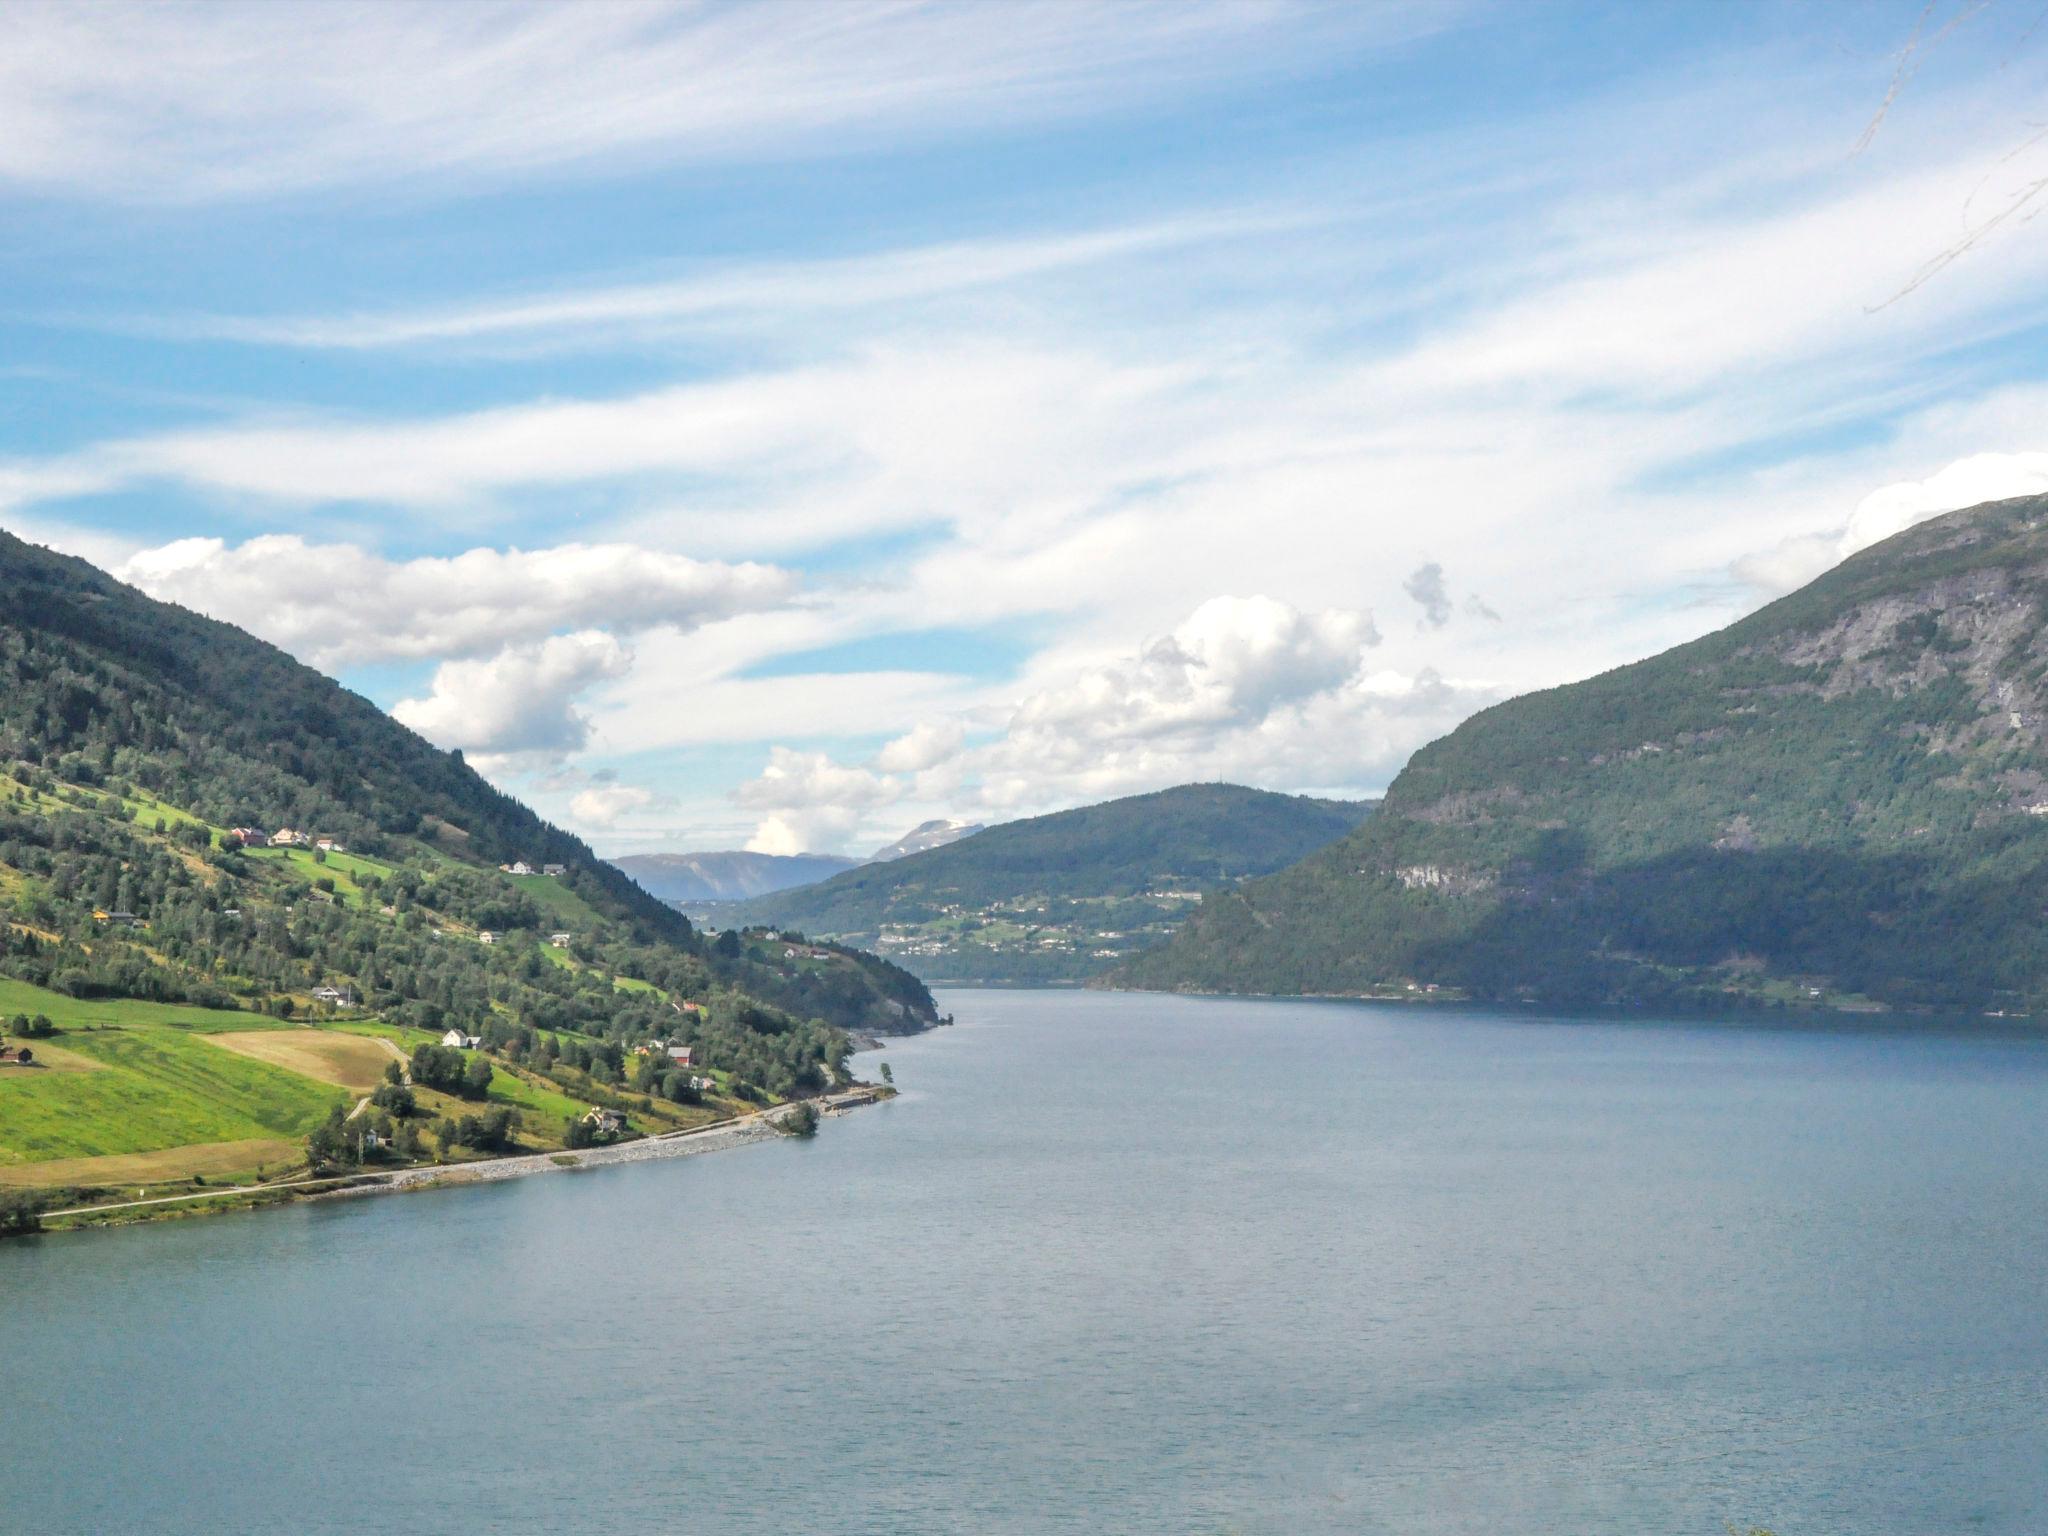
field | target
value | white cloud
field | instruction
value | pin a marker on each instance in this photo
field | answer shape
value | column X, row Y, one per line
column 177, row 102
column 924, row 746
column 1243, row 685
column 603, row 805
column 518, row 706
column 1234, row 659
column 1891, row 510
column 811, row 801
column 337, row 604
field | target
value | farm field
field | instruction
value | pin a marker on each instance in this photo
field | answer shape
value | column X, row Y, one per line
column 349, row 1061
column 128, row 1079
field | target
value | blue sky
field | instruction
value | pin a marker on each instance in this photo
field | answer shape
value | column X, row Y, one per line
column 775, row 425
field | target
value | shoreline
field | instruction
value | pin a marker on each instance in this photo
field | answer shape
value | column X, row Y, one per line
column 762, row 1125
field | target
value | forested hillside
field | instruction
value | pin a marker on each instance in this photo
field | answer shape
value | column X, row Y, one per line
column 1060, row 897
column 1842, row 799
column 135, row 736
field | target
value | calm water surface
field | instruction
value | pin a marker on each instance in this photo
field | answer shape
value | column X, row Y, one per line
column 1127, row 1264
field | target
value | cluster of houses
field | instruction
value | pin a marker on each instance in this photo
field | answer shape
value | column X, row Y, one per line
column 681, row 1056
column 285, row 837
column 521, row 867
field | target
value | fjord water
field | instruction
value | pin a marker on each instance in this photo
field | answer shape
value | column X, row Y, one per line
column 1128, row 1264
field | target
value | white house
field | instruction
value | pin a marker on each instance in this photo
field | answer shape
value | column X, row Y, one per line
column 560, row 940
column 460, row 1041
column 609, row 1122
column 518, row 867
column 285, row 837
column 329, row 845
column 339, row 996
column 487, row 937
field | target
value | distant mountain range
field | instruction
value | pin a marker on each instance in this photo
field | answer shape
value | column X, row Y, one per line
column 1057, row 898
column 924, row 837
column 733, row 875
column 686, row 879
column 1841, row 799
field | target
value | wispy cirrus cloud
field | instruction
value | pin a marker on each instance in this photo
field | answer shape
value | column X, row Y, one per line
column 194, row 101
column 749, row 295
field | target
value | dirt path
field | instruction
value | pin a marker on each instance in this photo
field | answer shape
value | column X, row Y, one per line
column 203, row 1194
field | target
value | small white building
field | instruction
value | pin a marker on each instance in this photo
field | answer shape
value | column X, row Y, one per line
column 285, row 837
column 328, row 845
column 560, row 940
column 340, row 997
column 487, row 937
column 461, row 1042
column 518, row 867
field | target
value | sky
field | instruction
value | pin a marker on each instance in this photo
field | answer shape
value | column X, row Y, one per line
column 775, row 425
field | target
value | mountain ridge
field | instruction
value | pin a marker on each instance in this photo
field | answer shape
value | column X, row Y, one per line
column 1037, row 900
column 135, row 734
column 1841, row 799
column 732, row 874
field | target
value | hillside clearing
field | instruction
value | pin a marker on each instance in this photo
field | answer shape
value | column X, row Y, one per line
column 351, row 1061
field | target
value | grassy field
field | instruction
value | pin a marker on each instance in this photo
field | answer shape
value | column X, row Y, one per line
column 350, row 1061
column 158, row 1088
column 72, row 1013
column 221, row 1161
column 127, row 1079
column 341, row 868
column 550, row 895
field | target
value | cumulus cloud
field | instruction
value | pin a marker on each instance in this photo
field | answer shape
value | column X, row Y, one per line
column 603, row 805
column 1892, row 510
column 1244, row 685
column 1234, row 659
column 336, row 604
column 518, row 706
column 1425, row 584
column 811, row 801
column 923, row 746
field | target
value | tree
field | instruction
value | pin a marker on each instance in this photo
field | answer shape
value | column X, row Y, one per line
column 888, row 1076
column 802, row 1121
column 20, row 1213
column 330, row 1146
column 476, row 1078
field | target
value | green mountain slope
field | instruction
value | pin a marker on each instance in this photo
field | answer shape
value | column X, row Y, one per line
column 1060, row 897
column 134, row 735
column 1842, row 798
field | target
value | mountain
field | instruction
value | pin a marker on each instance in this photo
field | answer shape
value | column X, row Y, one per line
column 924, row 837
column 136, row 735
column 1840, row 800
column 1061, row 897
column 729, row 876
